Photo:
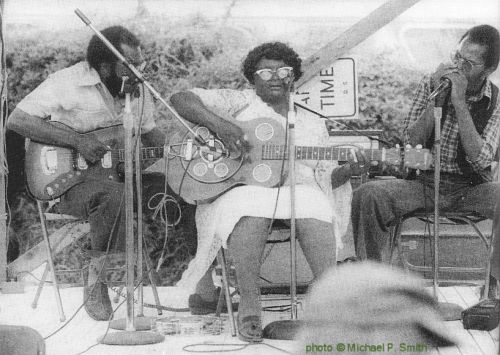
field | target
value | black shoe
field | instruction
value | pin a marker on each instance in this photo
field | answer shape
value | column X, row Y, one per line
column 351, row 259
column 198, row 306
column 98, row 305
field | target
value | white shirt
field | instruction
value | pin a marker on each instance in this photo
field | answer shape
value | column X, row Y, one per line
column 314, row 195
column 76, row 97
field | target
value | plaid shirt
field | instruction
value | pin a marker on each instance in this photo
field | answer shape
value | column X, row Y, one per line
column 449, row 132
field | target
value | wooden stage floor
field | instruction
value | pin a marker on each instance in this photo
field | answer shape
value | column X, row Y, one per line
column 81, row 332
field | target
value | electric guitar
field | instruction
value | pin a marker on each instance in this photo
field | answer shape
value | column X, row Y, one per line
column 199, row 173
column 52, row 170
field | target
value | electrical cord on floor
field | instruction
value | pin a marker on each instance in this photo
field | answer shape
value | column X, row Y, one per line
column 110, row 318
column 277, row 308
column 78, row 309
column 191, row 348
column 149, row 305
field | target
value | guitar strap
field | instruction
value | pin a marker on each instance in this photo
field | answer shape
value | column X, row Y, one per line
column 108, row 100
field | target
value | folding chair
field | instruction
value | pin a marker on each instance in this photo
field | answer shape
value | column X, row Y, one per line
column 49, row 266
column 45, row 216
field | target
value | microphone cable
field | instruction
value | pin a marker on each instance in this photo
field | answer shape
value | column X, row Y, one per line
column 359, row 132
column 111, row 317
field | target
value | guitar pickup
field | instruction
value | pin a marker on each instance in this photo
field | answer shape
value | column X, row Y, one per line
column 106, row 160
column 81, row 163
column 48, row 156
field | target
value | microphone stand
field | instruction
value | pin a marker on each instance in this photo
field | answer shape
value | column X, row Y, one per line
column 293, row 236
column 140, row 77
column 288, row 329
column 129, row 336
column 449, row 311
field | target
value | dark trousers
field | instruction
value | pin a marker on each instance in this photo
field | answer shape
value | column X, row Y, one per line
column 100, row 202
column 377, row 205
column 495, row 260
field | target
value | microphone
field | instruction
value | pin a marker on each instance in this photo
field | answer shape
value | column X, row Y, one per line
column 444, row 85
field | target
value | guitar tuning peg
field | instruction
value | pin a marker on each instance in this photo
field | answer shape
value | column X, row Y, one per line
column 418, row 146
column 397, row 146
column 408, row 146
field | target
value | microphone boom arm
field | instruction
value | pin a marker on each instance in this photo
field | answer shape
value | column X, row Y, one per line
column 138, row 74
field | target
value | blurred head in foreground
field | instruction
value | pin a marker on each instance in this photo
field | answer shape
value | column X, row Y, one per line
column 368, row 307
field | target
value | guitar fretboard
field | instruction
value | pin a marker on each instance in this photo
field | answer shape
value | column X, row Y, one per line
column 277, row 152
column 146, row 153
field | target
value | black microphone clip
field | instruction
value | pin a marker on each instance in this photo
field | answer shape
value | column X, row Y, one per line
column 444, row 85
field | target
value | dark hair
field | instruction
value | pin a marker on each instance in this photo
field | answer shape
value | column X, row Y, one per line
column 487, row 36
column 98, row 53
column 271, row 50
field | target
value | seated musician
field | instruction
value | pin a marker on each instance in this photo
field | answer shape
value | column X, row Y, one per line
column 241, row 217
column 469, row 138
column 86, row 97
column 495, row 258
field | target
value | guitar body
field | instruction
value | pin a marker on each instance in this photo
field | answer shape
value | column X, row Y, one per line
column 207, row 175
column 52, row 170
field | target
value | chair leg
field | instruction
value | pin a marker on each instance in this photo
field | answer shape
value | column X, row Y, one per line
column 221, row 258
column 40, row 286
column 50, row 262
column 435, row 264
column 152, row 281
column 489, row 250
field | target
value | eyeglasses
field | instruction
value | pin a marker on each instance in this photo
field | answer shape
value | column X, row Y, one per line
column 466, row 64
column 282, row 73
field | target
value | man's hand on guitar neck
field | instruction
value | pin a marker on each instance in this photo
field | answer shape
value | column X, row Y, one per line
column 90, row 147
column 357, row 165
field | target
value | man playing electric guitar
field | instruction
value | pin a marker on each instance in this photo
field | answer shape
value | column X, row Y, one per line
column 86, row 97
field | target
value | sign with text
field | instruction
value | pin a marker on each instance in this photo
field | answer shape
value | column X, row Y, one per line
column 333, row 92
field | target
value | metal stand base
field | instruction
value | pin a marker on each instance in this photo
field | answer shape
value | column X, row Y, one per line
column 450, row 311
column 286, row 329
column 131, row 338
column 140, row 323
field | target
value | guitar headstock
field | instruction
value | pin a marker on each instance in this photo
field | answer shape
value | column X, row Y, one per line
column 392, row 156
column 418, row 158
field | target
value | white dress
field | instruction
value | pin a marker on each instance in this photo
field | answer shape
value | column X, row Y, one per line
column 314, row 196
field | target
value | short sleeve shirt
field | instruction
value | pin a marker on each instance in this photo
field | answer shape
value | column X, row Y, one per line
column 76, row 97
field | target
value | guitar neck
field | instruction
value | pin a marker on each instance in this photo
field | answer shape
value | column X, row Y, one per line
column 277, row 152
column 146, row 153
